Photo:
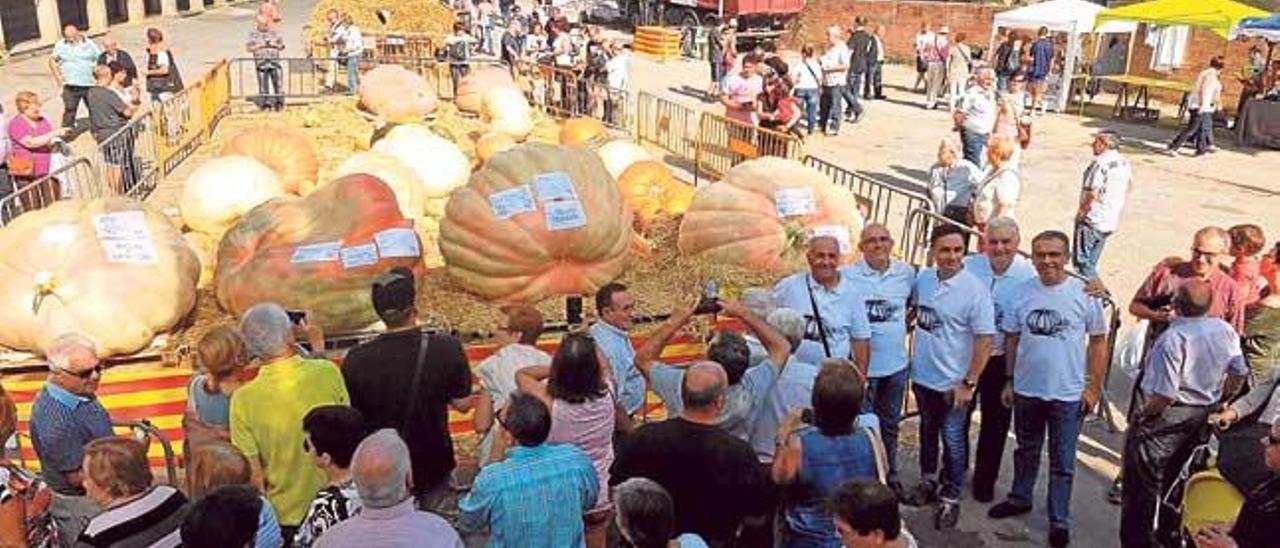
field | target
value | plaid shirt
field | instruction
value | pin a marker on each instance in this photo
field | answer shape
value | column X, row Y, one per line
column 273, row 44
column 535, row 498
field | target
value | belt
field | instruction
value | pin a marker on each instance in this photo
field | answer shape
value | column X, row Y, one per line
column 1191, row 405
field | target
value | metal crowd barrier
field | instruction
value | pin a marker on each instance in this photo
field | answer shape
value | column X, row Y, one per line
column 565, row 93
column 127, row 162
column 667, row 125
column 76, row 178
column 887, row 205
column 723, row 143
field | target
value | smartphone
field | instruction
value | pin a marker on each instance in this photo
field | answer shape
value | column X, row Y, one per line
column 296, row 316
column 709, row 303
column 573, row 310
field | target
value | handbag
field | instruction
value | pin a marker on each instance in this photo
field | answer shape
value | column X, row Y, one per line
column 21, row 166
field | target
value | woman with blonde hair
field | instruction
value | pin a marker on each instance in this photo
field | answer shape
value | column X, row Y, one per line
column 32, row 138
column 952, row 181
column 117, row 477
column 220, row 358
column 219, row 463
column 997, row 194
column 24, row 498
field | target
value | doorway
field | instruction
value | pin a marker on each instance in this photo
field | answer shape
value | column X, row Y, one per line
column 20, row 22
column 73, row 12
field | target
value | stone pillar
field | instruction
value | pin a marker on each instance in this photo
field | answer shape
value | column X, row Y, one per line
column 168, row 7
column 137, row 10
column 47, row 18
column 97, row 15
column 197, row 6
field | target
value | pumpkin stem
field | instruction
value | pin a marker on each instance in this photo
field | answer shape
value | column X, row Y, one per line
column 45, row 284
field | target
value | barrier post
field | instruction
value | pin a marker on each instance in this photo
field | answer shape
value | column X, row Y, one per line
column 667, row 125
column 723, row 143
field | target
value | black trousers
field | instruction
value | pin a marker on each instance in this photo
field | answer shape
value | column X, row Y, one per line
column 872, row 87
column 72, row 96
column 1154, row 452
column 995, row 426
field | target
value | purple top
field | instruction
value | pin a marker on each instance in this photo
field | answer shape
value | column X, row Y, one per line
column 588, row 426
column 20, row 127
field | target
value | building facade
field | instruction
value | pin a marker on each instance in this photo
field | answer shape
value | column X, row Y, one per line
column 38, row 23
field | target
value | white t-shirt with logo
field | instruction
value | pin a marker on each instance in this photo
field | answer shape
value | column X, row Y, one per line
column 1001, row 286
column 836, row 56
column 1109, row 175
column 950, row 314
column 1053, row 324
column 885, row 297
column 844, row 317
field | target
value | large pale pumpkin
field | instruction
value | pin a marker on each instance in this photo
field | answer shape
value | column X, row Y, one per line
column 507, row 111
column 114, row 270
column 522, row 257
column 286, row 150
column 319, row 253
column 472, row 87
column 587, row 132
column 396, row 94
column 618, row 155
column 410, row 193
column 222, row 189
column 763, row 210
column 439, row 163
column 653, row 192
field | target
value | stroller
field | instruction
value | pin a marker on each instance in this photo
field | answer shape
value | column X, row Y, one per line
column 1200, row 495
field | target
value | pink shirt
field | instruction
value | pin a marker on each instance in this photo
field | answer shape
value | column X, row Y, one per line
column 20, row 128
column 589, row 427
column 742, row 90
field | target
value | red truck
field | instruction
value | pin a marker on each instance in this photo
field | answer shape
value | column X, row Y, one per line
column 756, row 18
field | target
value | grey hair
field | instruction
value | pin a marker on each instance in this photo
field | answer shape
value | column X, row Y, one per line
column 380, row 467
column 646, row 512
column 985, row 70
column 66, row 347
column 999, row 223
column 267, row 330
column 759, row 301
column 788, row 322
column 1111, row 138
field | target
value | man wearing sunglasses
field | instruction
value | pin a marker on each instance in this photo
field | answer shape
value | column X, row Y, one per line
column 65, row 416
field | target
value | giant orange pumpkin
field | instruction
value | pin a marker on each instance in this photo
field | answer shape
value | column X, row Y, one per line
column 587, row 132
column 522, row 257
column 482, row 78
column 286, row 150
column 652, row 191
column 318, row 253
column 396, row 94
column 763, row 210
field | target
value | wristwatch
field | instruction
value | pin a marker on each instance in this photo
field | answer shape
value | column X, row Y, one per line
column 970, row 384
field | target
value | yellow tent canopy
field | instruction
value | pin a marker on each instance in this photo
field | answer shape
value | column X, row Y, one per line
column 1220, row 16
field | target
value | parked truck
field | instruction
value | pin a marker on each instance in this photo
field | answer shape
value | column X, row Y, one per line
column 756, row 18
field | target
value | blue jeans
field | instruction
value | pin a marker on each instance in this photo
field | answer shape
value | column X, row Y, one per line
column 1031, row 417
column 884, row 398
column 353, row 73
column 940, row 420
column 832, row 106
column 1088, row 251
column 851, row 90
column 810, row 99
column 974, row 146
column 269, row 93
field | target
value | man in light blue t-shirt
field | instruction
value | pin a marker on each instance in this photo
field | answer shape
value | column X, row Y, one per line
column 72, row 62
column 1001, row 269
column 616, row 308
column 885, row 286
column 748, row 385
column 1053, row 331
column 954, row 325
column 839, row 323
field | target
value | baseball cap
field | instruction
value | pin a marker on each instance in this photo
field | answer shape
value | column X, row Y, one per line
column 394, row 291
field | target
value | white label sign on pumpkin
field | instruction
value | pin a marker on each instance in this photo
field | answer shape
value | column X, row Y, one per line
column 397, row 242
column 554, row 186
column 359, row 255
column 839, row 232
column 124, row 237
column 316, row 253
column 565, row 215
column 511, row 202
column 794, row 201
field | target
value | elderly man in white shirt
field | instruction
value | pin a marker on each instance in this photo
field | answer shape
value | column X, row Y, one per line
column 976, row 115
column 830, row 303
column 1102, row 197
column 835, row 68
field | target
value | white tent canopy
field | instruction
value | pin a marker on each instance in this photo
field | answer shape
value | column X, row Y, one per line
column 1073, row 17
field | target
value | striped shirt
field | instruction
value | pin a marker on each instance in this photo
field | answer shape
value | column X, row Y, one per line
column 154, row 519
column 61, row 423
column 535, row 498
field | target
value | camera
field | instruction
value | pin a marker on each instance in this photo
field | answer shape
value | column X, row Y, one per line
column 296, row 316
column 709, row 303
column 573, row 310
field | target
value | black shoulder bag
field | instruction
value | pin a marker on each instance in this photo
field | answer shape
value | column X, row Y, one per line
column 817, row 316
column 413, row 388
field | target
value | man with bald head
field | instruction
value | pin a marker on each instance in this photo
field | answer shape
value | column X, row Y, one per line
column 885, row 285
column 830, row 302
column 383, row 476
column 712, row 476
column 1209, row 254
column 1194, row 366
column 111, row 53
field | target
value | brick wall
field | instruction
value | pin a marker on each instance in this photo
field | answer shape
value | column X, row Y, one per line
column 902, row 20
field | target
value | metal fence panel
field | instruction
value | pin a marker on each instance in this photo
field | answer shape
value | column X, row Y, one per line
column 127, row 162
column 566, row 93
column 884, row 204
column 723, row 143
column 667, row 125
column 75, row 179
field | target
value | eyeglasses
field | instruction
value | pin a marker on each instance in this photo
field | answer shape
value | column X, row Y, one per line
column 1206, row 254
column 306, row 445
column 97, row 370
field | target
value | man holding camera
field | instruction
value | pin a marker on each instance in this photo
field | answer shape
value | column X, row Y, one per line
column 748, row 385
column 831, row 305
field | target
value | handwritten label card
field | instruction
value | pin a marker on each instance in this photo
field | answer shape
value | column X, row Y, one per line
column 124, row 237
column 794, row 201
column 554, row 186
column 359, row 255
column 397, row 242
column 511, row 202
column 316, row 253
column 839, row 232
column 565, row 215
